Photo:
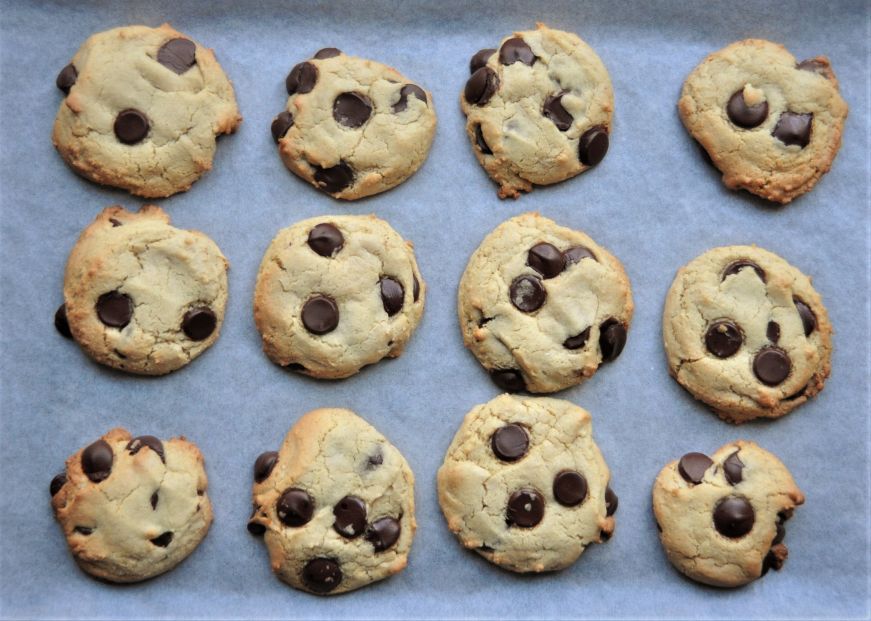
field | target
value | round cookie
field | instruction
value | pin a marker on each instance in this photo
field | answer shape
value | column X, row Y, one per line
column 141, row 295
column 770, row 124
column 538, row 110
column 335, row 504
column 721, row 517
column 132, row 508
column 524, row 484
column 542, row 306
column 353, row 127
column 142, row 109
column 335, row 293
column 746, row 333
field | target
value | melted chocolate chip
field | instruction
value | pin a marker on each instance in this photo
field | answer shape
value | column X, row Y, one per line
column 179, row 55
column 383, row 533
column 481, row 86
column 326, row 239
column 509, row 380
column 779, row 533
column 611, row 501
column 593, row 146
column 97, row 461
column 480, row 59
column 816, row 66
column 734, row 517
column 264, row 464
column 409, row 90
column 527, row 293
column 295, row 507
column 808, row 319
column 415, row 288
column 327, row 52
column 692, row 467
column 320, row 314
column 546, row 259
column 577, row 341
column 794, row 128
column 553, row 110
column 199, row 323
column 280, row 125
column 479, row 140
column 736, row 266
column 83, row 530
column 57, row 482
column 773, row 331
column 516, row 50
column 321, row 575
column 131, row 126
column 723, row 338
column 743, row 115
column 576, row 253
column 525, row 508
column 569, row 488
column 352, row 109
column 612, row 339
column 733, row 468
column 115, row 222
column 510, row 442
column 301, row 79
column 256, row 528
column 392, row 295
column 163, row 540
column 114, row 309
column 334, row 179
column 771, row 366
column 350, row 513
column 137, row 444
column 373, row 461
column 154, row 500
column 60, row 322
column 66, row 78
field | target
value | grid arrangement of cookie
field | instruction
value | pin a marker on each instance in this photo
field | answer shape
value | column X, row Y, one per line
column 540, row 305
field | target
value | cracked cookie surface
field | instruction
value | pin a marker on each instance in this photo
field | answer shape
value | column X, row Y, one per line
column 141, row 295
column 335, row 504
column 721, row 517
column 132, row 508
column 745, row 332
column 353, row 127
column 143, row 107
column 336, row 293
column 770, row 124
column 543, row 306
column 524, row 484
column 538, row 110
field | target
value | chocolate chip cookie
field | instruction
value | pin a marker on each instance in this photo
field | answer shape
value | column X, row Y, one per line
column 142, row 108
column 353, row 127
column 524, row 484
column 542, row 306
column 721, row 517
column 336, row 293
column 746, row 333
column 141, row 295
column 335, row 504
column 770, row 124
column 132, row 508
column 538, row 110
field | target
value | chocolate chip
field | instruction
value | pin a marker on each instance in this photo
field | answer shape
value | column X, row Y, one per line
column 576, row 253
column 351, row 109
column 510, row 442
column 734, row 517
column 527, row 293
column 114, row 309
column 604, row 535
column 808, row 319
column 692, row 467
column 612, row 338
column 163, row 540
column 773, row 560
column 199, row 323
column 57, row 482
column 593, row 146
column 392, row 295
column 154, row 499
column 60, row 322
column 733, row 469
column 611, row 501
column 481, row 86
column 66, row 78
column 553, row 109
column 321, row 575
column 301, row 79
column 479, row 140
column 383, row 533
column 326, row 239
column 334, row 179
column 773, row 331
column 280, row 125
column 816, row 66
column 794, row 128
column 796, row 395
column 785, row 515
column 115, row 222
column 546, row 259
column 263, row 465
column 179, row 55
column 327, row 52
column 295, row 507
column 320, row 314
column 771, row 366
column 780, row 533
column 373, row 461
column 743, row 115
column 525, row 508
column 350, row 513
column 516, row 50
column 83, row 530
column 131, row 126
column 577, row 341
column 256, row 528
column 407, row 91
column 480, row 59
column 736, row 266
column 97, row 461
column 723, row 338
column 569, row 488
column 415, row 288
column 509, row 380
column 136, row 444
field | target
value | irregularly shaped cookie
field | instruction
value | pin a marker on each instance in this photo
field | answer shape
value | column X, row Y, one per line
column 746, row 333
column 542, row 306
column 141, row 295
column 721, row 518
column 770, row 124
column 132, row 508
column 142, row 109
column 353, row 127
column 336, row 293
column 524, row 484
column 335, row 504
column 538, row 109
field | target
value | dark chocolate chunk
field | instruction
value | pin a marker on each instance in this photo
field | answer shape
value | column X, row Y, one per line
column 525, row 508
column 114, row 309
column 60, row 322
column 352, row 109
column 736, row 266
column 576, row 253
column 320, row 314
column 577, row 341
column 743, row 115
column 510, row 442
column 392, row 295
column 179, row 55
column 480, row 59
column 593, row 146
column 692, row 467
column 409, row 90
column 301, row 79
column 131, row 126
column 350, row 513
column 163, row 540
column 734, row 517
column 57, row 482
column 509, row 380
column 553, row 109
column 516, row 50
column 733, row 469
column 808, row 319
column 136, row 444
column 612, row 339
column 321, row 575
column 97, row 461
column 569, row 488
column 481, row 86
column 66, row 78
column 794, row 128
column 479, row 140
column 723, row 338
column 326, row 239
column 264, row 464
column 773, row 331
column 154, row 500
column 383, row 533
column 771, row 366
column 199, row 323
column 527, row 293
column 611, row 501
column 546, row 259
column 327, row 52
column 334, row 179
column 295, row 507
column 280, row 125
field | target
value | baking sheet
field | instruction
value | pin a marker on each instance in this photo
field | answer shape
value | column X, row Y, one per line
column 653, row 202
